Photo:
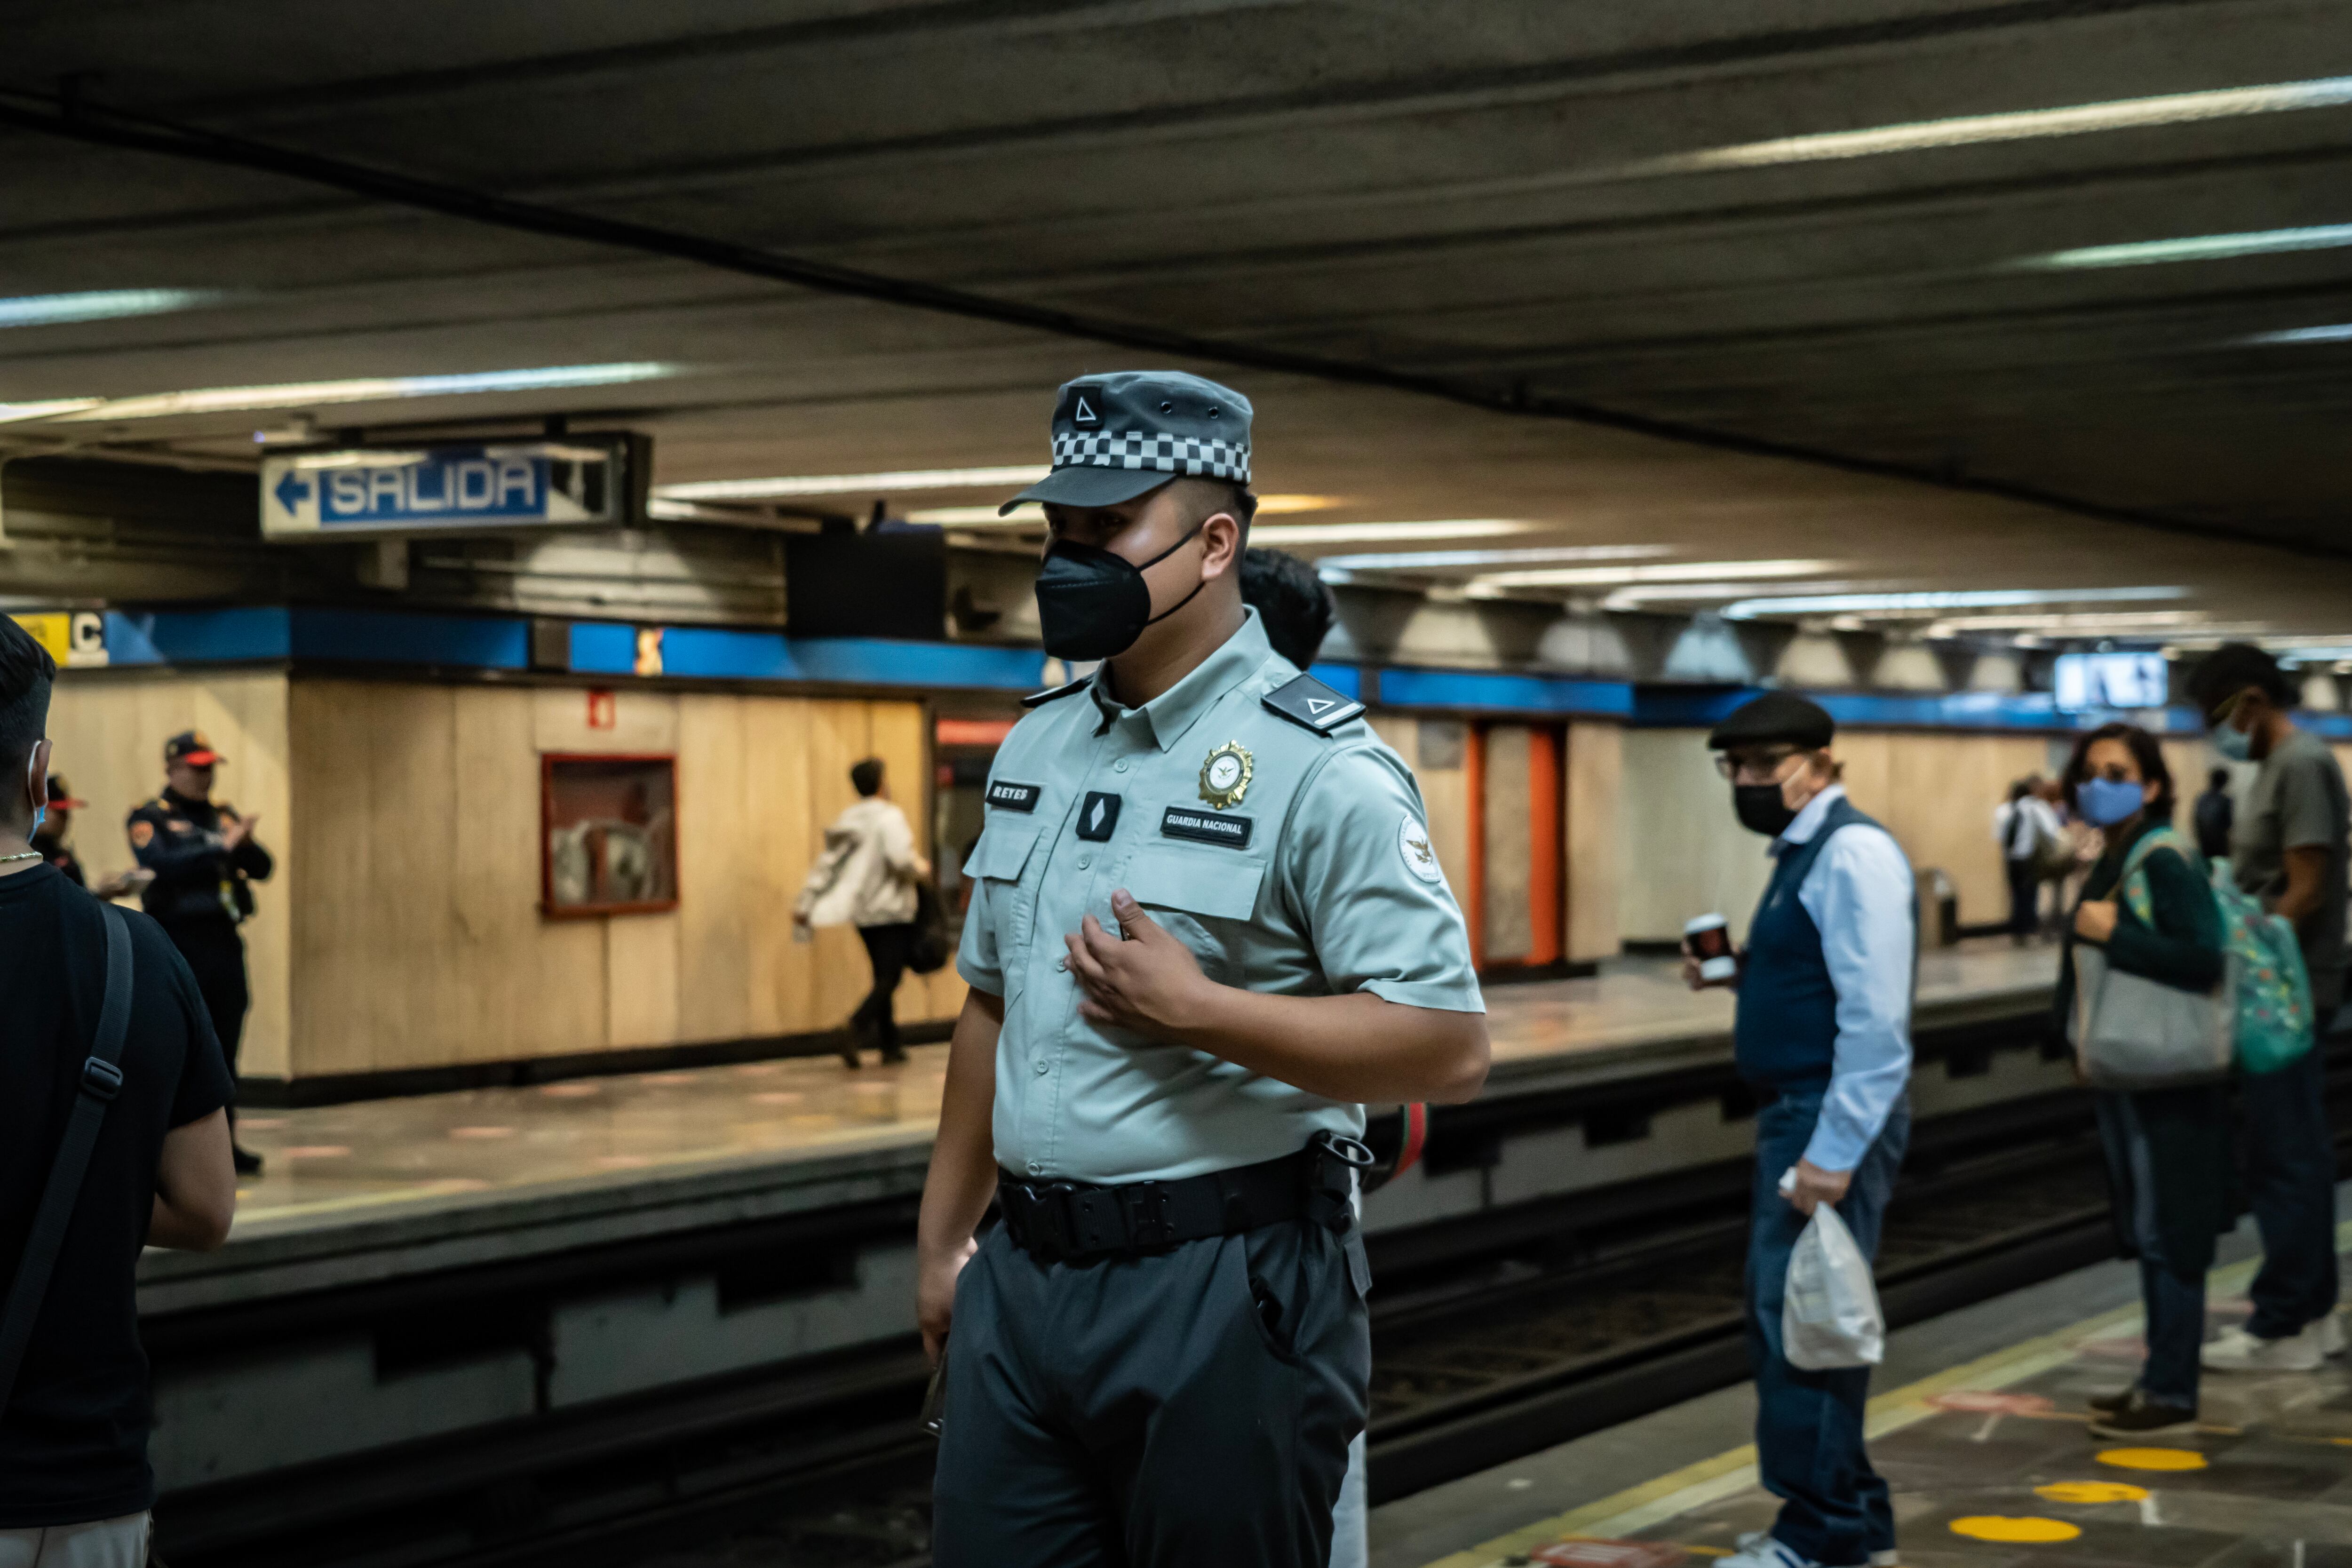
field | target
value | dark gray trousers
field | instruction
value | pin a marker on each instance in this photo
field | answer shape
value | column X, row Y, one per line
column 1187, row 1409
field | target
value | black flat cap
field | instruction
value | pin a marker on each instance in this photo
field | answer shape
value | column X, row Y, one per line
column 1776, row 717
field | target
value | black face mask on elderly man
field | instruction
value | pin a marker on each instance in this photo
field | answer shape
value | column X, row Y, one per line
column 1761, row 808
column 1093, row 603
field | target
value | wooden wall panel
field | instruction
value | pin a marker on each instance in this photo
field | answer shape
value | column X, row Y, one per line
column 1935, row 792
column 1506, row 886
column 108, row 730
column 419, row 938
column 1591, row 801
column 1682, row 851
column 1547, row 844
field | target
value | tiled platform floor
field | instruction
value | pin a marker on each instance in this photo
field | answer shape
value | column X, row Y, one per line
column 331, row 1164
column 1992, row 1468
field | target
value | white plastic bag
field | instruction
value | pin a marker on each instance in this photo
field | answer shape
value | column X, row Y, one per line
column 1829, row 1308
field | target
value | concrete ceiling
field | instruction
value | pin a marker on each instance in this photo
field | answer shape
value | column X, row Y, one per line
column 1780, row 353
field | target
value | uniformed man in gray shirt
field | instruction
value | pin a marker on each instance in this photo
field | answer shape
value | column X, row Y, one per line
column 2287, row 847
column 1206, row 926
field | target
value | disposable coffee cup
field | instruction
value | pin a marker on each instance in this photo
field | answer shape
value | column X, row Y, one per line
column 1708, row 938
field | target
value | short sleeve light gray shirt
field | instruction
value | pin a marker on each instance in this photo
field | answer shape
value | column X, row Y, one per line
column 2297, row 801
column 1316, row 878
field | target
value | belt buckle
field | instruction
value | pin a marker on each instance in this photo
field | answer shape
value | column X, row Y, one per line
column 1151, row 1215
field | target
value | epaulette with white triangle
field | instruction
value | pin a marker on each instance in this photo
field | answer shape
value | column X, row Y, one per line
column 1039, row 698
column 1311, row 705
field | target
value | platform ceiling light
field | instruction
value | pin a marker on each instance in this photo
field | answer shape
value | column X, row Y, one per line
column 99, row 305
column 1971, row 129
column 373, row 389
column 853, row 484
column 1939, row 600
column 1433, row 560
column 18, row 413
column 1673, row 572
column 2339, row 333
column 1634, row 599
column 1387, row 532
column 2110, row 621
column 2195, row 248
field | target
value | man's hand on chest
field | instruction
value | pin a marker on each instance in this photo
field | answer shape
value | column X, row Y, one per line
column 1149, row 983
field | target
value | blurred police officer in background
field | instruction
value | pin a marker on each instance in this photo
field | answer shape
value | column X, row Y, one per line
column 51, row 839
column 1206, row 927
column 1822, row 1036
column 203, row 856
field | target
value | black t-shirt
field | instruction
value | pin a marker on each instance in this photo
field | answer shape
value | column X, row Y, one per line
column 73, row 1440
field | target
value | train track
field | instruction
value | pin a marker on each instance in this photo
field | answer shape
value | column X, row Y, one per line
column 1564, row 1322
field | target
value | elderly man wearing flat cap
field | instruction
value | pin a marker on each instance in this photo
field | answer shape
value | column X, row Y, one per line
column 1207, row 925
column 1823, row 1037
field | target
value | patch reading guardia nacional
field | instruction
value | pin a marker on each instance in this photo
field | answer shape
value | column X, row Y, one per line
column 1413, row 843
column 1225, row 776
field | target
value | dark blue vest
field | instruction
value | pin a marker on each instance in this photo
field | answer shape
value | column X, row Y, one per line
column 1785, row 1033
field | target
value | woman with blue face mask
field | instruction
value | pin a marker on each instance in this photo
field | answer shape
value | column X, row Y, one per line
column 2168, row 1151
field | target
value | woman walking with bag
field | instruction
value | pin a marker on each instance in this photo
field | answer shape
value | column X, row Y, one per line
column 2146, row 907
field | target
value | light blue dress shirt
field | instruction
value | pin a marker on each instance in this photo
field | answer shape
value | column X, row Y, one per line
column 1859, row 895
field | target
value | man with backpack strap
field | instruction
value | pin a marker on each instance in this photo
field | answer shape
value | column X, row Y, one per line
column 113, row 1135
column 2287, row 847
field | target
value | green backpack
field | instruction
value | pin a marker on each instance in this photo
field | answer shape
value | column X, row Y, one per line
column 2272, row 989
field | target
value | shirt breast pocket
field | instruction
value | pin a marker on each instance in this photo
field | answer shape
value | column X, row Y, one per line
column 1204, row 901
column 1000, row 860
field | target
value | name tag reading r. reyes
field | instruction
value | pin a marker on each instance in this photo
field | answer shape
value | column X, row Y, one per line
column 1205, row 826
column 1008, row 797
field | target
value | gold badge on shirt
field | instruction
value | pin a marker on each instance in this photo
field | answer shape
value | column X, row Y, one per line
column 1225, row 776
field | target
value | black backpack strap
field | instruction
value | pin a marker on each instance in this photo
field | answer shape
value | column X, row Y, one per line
column 102, row 1079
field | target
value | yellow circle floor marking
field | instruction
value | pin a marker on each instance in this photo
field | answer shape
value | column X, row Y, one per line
column 2153, row 1458
column 2000, row 1527
column 2091, row 1491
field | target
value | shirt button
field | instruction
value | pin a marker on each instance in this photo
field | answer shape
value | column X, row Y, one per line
column 1035, row 1169
column 1120, row 766
column 1063, row 963
column 1084, row 861
column 1044, row 1066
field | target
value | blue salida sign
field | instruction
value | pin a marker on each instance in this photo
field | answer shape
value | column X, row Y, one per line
column 577, row 480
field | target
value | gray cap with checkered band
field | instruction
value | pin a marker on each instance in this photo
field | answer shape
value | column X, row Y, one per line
column 1120, row 434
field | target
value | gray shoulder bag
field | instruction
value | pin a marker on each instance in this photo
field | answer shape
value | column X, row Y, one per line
column 2132, row 1033
column 102, row 1079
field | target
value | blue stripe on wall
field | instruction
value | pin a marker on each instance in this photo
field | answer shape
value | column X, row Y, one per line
column 1346, row 680
column 600, row 648
column 198, row 637
column 1504, row 693
column 381, row 636
column 1665, row 707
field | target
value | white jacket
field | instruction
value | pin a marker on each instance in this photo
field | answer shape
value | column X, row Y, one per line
column 865, row 875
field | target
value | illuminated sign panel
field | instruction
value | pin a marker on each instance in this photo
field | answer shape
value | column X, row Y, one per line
column 583, row 481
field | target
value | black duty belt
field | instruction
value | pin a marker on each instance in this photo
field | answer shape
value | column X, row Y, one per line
column 1071, row 1222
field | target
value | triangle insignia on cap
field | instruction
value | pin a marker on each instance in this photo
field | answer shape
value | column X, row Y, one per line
column 1311, row 705
column 1085, row 413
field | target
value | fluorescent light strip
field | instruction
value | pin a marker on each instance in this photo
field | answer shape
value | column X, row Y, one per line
column 853, row 484
column 1426, row 560
column 2110, row 621
column 1951, row 599
column 2341, row 333
column 1385, row 533
column 1686, row 592
column 1970, row 130
column 1678, row 572
column 311, row 394
column 2195, row 248
column 18, row 413
column 99, row 305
